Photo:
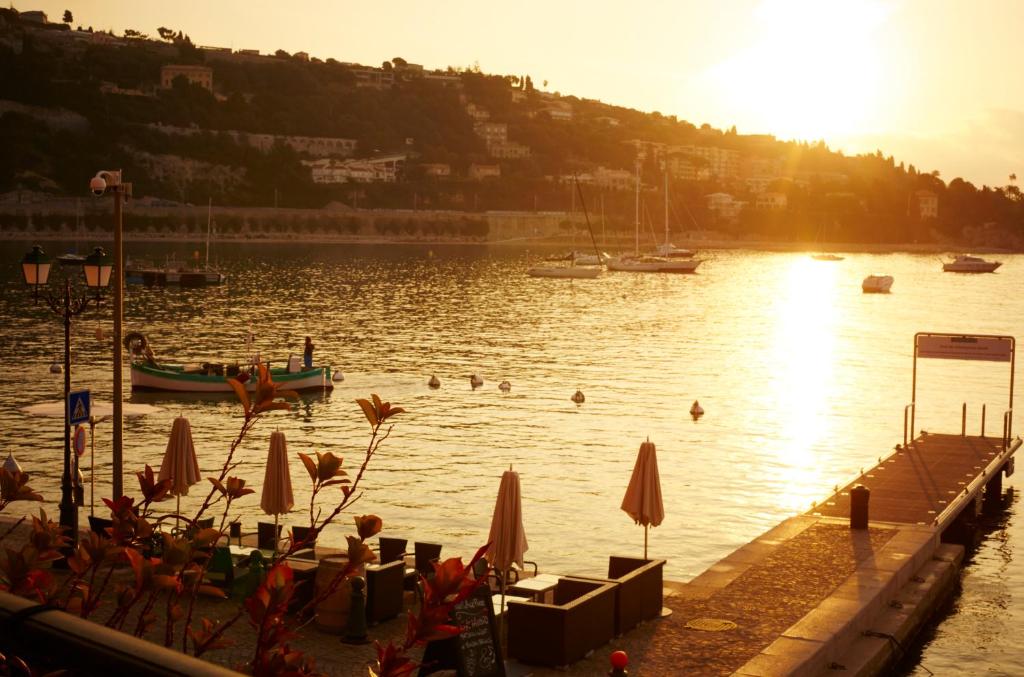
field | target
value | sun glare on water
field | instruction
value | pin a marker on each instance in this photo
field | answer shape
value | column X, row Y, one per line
column 811, row 72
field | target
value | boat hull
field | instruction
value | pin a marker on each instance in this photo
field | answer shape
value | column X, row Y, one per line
column 654, row 265
column 181, row 278
column 877, row 284
column 986, row 267
column 174, row 379
column 573, row 272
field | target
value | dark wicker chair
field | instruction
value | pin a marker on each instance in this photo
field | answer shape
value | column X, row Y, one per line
column 301, row 535
column 581, row 619
column 638, row 596
column 385, row 591
column 391, row 549
column 265, row 539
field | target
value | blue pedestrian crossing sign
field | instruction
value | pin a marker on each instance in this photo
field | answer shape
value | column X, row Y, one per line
column 78, row 407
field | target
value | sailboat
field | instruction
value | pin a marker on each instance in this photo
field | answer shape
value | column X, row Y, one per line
column 572, row 270
column 175, row 273
column 655, row 263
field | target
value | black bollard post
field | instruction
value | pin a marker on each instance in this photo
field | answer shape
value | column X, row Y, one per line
column 859, row 497
column 355, row 630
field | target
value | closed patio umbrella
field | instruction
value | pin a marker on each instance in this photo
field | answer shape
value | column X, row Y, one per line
column 642, row 501
column 507, row 537
column 180, row 464
column 277, row 496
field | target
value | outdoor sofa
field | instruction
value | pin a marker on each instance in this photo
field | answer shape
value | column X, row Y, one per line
column 638, row 595
column 580, row 619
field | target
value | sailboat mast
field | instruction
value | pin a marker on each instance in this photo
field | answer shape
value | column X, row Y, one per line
column 666, row 205
column 636, row 220
column 209, row 219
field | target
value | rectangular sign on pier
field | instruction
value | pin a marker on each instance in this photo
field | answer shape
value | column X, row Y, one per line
column 950, row 347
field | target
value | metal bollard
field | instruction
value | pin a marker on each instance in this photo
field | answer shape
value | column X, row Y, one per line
column 859, row 497
column 355, row 630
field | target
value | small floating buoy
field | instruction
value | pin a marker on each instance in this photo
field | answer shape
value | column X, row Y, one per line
column 337, row 376
column 11, row 464
column 475, row 381
column 434, row 382
column 504, row 386
column 99, row 334
column 55, row 368
column 578, row 397
column 696, row 410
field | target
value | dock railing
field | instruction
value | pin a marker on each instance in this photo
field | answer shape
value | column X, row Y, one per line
column 909, row 409
column 1007, row 427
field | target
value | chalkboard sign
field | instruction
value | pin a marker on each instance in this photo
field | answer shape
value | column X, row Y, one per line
column 474, row 652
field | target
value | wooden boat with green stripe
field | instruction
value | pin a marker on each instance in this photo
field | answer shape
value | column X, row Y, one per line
column 213, row 378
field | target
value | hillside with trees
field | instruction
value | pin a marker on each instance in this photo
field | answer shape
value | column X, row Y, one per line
column 74, row 99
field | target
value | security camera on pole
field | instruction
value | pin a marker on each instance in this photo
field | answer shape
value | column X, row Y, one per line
column 108, row 182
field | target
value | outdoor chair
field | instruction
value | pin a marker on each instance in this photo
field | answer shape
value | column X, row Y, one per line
column 494, row 576
column 581, row 619
column 99, row 525
column 391, row 549
column 222, row 570
column 265, row 537
column 426, row 554
column 307, row 550
column 385, row 591
column 638, row 595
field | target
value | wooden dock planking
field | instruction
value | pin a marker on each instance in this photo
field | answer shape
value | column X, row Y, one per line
column 917, row 483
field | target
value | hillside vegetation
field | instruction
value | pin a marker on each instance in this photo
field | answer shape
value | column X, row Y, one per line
column 105, row 108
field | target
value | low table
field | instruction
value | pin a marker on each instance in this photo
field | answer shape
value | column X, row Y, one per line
column 537, row 589
column 499, row 608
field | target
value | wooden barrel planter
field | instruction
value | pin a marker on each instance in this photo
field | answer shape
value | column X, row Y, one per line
column 332, row 612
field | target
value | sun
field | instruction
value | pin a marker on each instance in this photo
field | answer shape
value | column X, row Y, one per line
column 812, row 71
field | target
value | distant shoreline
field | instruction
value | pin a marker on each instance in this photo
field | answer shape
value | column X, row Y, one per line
column 545, row 242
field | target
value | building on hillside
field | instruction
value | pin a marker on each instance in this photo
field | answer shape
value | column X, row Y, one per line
column 481, row 172
column 761, row 167
column 518, row 96
column 507, row 150
column 491, row 132
column 382, row 169
column 478, row 113
column 924, row 204
column 113, row 88
column 316, row 146
column 436, row 169
column 724, row 206
column 216, row 50
column 771, row 201
column 374, row 78
column 721, row 163
column 444, row 79
column 560, row 114
column 35, row 16
column 249, row 52
column 197, row 75
column 608, row 179
column 607, row 120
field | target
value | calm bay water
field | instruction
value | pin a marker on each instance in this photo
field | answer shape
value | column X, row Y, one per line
column 802, row 376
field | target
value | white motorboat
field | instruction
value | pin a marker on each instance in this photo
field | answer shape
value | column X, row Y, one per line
column 582, row 259
column 963, row 263
column 876, row 283
column 576, row 272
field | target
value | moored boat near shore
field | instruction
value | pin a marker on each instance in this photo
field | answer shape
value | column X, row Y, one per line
column 963, row 263
column 213, row 378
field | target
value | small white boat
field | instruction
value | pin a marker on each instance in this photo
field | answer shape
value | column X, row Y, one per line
column 582, row 259
column 576, row 272
column 213, row 378
column 876, row 283
column 826, row 257
column 964, row 263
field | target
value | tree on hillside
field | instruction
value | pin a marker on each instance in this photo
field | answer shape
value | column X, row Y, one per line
column 399, row 62
column 68, row 18
column 165, row 34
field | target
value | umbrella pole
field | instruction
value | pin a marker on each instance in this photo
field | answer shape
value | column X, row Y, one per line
column 92, row 467
column 645, row 540
column 276, row 534
column 501, row 622
column 177, row 514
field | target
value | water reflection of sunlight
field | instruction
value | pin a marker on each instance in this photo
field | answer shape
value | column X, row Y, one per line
column 803, row 361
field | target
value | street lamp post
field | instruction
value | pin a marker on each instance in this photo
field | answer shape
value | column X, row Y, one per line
column 36, row 271
column 109, row 182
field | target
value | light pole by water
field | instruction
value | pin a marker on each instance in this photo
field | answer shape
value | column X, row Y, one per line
column 109, row 182
column 35, row 268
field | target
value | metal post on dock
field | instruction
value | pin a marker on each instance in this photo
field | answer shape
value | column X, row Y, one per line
column 860, row 495
column 983, row 421
column 963, row 421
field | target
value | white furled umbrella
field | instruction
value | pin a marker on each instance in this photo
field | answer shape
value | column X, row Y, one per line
column 98, row 412
column 642, row 501
column 277, row 496
column 180, row 464
column 507, row 537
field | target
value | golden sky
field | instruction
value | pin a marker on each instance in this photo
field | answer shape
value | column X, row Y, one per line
column 929, row 81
